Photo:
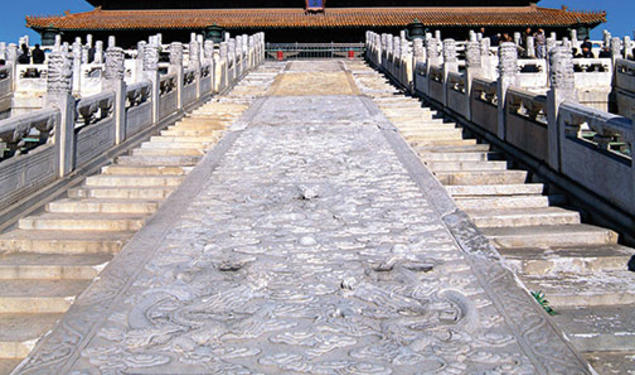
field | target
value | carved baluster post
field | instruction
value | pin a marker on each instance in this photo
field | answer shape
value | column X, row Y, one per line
column 573, row 34
column 231, row 59
column 606, row 38
column 379, row 50
column 224, row 61
column 562, row 88
column 59, row 86
column 616, row 50
column 433, row 60
column 531, row 49
column 405, row 64
column 99, row 52
column 388, row 52
column 251, row 48
column 141, row 46
column 473, row 65
column 628, row 47
column 208, row 49
column 450, row 64
column 418, row 59
column 396, row 52
column 245, row 45
column 77, row 66
column 238, row 54
column 12, row 58
column 488, row 68
column 195, row 63
column 151, row 73
column 114, row 75
column 507, row 76
column 176, row 66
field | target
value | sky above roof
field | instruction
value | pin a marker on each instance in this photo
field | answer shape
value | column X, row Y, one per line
column 620, row 14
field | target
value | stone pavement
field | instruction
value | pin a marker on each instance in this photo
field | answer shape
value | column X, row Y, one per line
column 309, row 240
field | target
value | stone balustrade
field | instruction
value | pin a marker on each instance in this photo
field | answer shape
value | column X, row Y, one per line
column 550, row 123
column 72, row 131
column 625, row 87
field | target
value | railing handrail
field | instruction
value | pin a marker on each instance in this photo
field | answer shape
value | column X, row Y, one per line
column 604, row 123
column 13, row 129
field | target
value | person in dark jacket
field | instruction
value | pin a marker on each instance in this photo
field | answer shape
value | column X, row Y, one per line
column 25, row 57
column 38, row 55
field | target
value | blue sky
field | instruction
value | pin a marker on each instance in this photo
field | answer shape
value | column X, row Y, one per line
column 621, row 14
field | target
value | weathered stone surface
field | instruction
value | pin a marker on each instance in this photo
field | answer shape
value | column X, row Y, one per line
column 310, row 240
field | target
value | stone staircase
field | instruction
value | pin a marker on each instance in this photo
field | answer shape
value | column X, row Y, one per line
column 51, row 257
column 580, row 268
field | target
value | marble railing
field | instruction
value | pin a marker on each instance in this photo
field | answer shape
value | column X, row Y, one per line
column 71, row 132
column 589, row 146
column 625, row 87
column 6, row 89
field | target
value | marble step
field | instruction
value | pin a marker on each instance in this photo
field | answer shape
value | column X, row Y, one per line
column 430, row 134
column 20, row 332
column 454, row 156
column 494, row 190
column 521, row 217
column 412, row 127
column 153, row 170
column 581, row 260
column 52, row 266
column 505, row 177
column 157, row 160
column 492, row 202
column 184, row 132
column 133, row 181
column 39, row 296
column 443, row 166
column 197, row 139
column 480, row 147
column 597, row 289
column 83, row 222
column 207, row 125
column 599, row 328
column 7, row 365
column 611, row 362
column 441, row 142
column 174, row 145
column 550, row 235
column 102, row 206
column 122, row 192
column 66, row 242
column 167, row 152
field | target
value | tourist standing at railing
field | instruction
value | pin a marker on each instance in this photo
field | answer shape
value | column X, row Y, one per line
column 586, row 53
column 25, row 57
column 605, row 53
column 38, row 55
column 541, row 44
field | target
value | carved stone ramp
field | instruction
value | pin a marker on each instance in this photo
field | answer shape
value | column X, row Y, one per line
column 52, row 256
column 580, row 268
column 309, row 240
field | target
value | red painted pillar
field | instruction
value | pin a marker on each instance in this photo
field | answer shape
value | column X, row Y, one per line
column 280, row 56
column 351, row 54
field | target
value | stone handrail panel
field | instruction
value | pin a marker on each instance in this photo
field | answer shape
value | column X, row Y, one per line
column 595, row 163
column 93, row 109
column 13, row 130
column 604, row 124
column 138, row 93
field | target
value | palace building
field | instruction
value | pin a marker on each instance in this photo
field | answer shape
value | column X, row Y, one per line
column 306, row 21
